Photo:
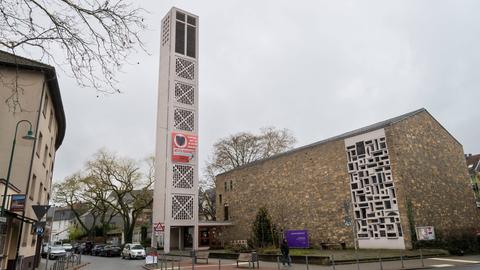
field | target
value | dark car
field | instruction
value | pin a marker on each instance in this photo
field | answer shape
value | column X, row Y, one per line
column 111, row 251
column 85, row 248
column 97, row 249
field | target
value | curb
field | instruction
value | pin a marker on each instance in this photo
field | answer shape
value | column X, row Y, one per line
column 79, row 266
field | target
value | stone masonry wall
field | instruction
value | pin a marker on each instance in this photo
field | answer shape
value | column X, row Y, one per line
column 305, row 189
column 429, row 168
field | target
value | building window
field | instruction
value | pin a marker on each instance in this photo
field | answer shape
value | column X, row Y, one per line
column 231, row 185
column 45, row 105
column 45, row 156
column 185, row 35
column 225, row 212
column 40, row 191
column 226, row 185
column 39, row 144
column 26, row 232
column 50, row 120
column 220, row 198
column 32, row 187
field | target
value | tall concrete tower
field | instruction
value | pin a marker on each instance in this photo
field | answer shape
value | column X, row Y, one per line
column 175, row 204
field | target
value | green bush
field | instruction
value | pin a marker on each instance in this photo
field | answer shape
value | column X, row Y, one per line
column 456, row 243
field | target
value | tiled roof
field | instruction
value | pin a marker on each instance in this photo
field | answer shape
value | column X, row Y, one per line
column 345, row 135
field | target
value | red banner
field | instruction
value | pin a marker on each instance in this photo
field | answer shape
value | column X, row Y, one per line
column 184, row 147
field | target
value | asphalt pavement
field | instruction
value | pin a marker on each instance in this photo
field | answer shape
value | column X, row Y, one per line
column 116, row 263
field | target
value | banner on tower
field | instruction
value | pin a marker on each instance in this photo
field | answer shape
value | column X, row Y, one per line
column 184, row 147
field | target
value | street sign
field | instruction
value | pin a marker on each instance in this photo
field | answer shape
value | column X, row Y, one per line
column 40, row 210
column 158, row 227
column 39, row 231
column 17, row 202
column 3, row 219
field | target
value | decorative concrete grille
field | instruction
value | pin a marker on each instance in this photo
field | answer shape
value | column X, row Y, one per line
column 373, row 193
column 185, row 69
column 182, row 176
column 184, row 120
column 184, row 93
column 166, row 30
column 182, row 207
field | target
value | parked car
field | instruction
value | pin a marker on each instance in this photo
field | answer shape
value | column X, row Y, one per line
column 85, row 248
column 97, row 250
column 67, row 247
column 44, row 250
column 133, row 251
column 55, row 252
column 111, row 251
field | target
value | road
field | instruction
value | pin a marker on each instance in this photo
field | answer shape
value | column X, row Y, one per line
column 457, row 263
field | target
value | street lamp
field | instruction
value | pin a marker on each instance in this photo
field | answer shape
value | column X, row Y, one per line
column 29, row 136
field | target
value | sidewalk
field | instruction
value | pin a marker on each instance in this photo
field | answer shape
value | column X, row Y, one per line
column 222, row 264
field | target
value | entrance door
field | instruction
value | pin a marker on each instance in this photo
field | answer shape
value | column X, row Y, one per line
column 188, row 237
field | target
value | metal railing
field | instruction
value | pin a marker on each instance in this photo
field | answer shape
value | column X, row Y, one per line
column 63, row 263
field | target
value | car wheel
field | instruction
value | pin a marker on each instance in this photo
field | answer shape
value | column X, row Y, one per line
column 129, row 256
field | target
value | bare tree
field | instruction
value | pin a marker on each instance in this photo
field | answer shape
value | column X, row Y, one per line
column 240, row 149
column 129, row 191
column 73, row 193
column 95, row 36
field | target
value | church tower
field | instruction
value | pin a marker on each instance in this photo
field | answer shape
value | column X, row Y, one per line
column 175, row 204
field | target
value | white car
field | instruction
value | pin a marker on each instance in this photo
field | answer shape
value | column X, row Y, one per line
column 56, row 252
column 67, row 247
column 133, row 251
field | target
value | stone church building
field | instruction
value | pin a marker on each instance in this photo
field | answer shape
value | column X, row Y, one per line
column 387, row 179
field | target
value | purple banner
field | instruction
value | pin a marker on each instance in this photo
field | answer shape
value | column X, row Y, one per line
column 297, row 238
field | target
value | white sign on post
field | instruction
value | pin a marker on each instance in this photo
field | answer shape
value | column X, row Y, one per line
column 3, row 219
column 425, row 233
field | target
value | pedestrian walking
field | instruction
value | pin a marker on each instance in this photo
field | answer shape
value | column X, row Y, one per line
column 285, row 250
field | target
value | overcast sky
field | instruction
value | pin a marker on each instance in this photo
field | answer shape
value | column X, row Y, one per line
column 318, row 68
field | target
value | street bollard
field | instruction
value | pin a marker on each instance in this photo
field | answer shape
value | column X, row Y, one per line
column 179, row 265
column 380, row 261
column 356, row 259
column 278, row 263
column 401, row 260
column 306, row 261
column 333, row 262
column 219, row 264
column 421, row 258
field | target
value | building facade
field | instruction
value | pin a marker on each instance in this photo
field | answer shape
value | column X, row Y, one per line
column 387, row 180
column 62, row 221
column 38, row 104
column 473, row 165
column 175, row 206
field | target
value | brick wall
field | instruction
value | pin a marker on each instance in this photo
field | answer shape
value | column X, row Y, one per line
column 429, row 166
column 302, row 190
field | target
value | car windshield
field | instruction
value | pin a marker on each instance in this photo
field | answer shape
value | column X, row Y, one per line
column 57, row 248
column 137, row 247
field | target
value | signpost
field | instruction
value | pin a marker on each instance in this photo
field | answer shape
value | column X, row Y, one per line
column 425, row 233
column 40, row 210
column 158, row 227
column 17, row 203
column 297, row 238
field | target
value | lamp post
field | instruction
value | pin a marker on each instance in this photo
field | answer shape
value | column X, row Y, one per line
column 29, row 136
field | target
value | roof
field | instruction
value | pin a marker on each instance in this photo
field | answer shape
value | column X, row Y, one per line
column 473, row 162
column 345, row 135
column 11, row 60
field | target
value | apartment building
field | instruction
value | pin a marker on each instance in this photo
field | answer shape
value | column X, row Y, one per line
column 30, row 101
